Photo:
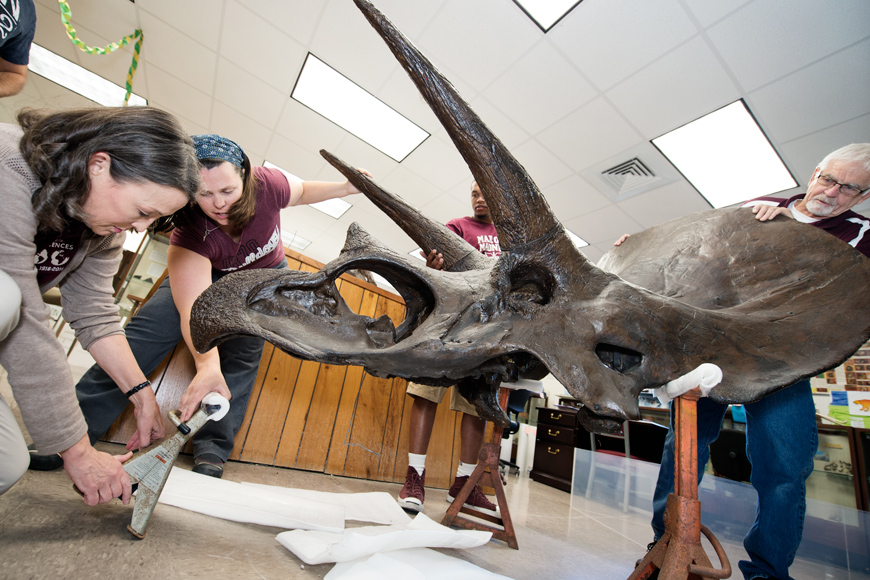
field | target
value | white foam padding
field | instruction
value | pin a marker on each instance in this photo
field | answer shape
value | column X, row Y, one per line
column 241, row 503
column 705, row 377
column 412, row 564
column 354, row 543
column 376, row 507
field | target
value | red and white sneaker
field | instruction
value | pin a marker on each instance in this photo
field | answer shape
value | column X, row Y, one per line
column 413, row 493
column 476, row 499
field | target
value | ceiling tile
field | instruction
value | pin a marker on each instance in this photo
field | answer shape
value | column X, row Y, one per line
column 604, row 225
column 709, row 11
column 230, row 123
column 574, row 197
column 591, row 134
column 298, row 18
column 541, row 165
column 286, row 154
column 470, row 37
column 608, row 41
column 594, row 253
column 541, row 88
column 649, row 101
column 438, row 162
column 198, row 19
column 506, row 130
column 308, row 129
column 791, row 108
column 368, row 63
column 357, row 153
column 664, row 204
column 261, row 48
column 238, row 89
column 412, row 188
column 804, row 154
column 805, row 31
column 168, row 92
column 178, row 54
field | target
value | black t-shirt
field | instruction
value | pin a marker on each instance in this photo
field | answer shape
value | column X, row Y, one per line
column 55, row 249
column 17, row 26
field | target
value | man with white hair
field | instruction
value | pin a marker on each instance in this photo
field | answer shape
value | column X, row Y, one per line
column 781, row 435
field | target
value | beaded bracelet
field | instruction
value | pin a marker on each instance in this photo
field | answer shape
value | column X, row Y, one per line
column 137, row 388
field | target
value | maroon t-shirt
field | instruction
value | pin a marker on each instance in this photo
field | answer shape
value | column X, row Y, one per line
column 482, row 236
column 260, row 243
column 849, row 226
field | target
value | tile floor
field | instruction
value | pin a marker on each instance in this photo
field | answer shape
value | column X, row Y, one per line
column 46, row 531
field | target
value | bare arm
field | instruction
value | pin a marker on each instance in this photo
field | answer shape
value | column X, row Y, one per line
column 306, row 192
column 12, row 77
column 190, row 274
column 114, row 356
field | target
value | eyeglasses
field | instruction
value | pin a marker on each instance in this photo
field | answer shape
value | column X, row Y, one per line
column 846, row 189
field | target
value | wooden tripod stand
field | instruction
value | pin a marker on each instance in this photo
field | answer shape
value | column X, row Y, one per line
column 488, row 459
column 678, row 555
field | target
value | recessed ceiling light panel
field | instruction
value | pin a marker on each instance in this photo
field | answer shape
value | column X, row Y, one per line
column 331, row 94
column 546, row 13
column 726, row 156
column 78, row 79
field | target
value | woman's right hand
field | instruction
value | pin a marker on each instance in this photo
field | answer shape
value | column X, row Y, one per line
column 100, row 477
column 207, row 380
column 149, row 420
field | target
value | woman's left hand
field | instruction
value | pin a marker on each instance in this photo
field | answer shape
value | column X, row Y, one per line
column 351, row 188
column 206, row 381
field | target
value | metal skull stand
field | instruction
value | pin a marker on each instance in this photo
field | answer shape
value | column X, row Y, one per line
column 715, row 287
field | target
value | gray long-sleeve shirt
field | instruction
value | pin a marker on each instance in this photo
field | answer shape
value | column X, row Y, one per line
column 39, row 375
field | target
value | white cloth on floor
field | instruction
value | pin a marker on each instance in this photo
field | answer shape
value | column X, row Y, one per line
column 354, row 543
column 412, row 564
column 377, row 507
column 242, row 503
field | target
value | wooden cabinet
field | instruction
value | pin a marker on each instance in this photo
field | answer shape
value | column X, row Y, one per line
column 554, row 447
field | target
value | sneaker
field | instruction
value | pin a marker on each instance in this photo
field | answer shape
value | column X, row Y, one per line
column 43, row 462
column 476, row 499
column 209, row 464
column 655, row 573
column 412, row 495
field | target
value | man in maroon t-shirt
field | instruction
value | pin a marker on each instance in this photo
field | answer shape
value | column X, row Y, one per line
column 480, row 232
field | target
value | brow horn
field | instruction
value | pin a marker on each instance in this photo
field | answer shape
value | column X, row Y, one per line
column 519, row 211
column 458, row 254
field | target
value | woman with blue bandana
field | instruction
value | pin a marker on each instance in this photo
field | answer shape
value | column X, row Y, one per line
column 233, row 224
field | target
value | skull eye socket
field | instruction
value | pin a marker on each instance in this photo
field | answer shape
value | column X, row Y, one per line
column 530, row 285
column 620, row 359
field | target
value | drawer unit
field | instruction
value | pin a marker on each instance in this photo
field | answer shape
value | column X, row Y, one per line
column 554, row 447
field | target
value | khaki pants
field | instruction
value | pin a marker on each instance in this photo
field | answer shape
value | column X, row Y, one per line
column 436, row 394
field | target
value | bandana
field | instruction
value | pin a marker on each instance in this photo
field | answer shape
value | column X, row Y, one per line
column 217, row 147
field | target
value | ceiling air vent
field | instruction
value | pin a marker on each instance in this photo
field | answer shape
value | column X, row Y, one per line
column 628, row 176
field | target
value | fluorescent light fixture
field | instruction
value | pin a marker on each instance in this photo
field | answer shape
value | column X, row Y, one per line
column 334, row 208
column 417, row 253
column 578, row 241
column 79, row 80
column 546, row 13
column 294, row 240
column 331, row 94
column 726, row 156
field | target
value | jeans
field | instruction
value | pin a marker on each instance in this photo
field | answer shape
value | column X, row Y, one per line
column 152, row 334
column 781, row 440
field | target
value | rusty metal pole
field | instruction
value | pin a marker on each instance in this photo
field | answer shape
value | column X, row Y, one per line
column 679, row 555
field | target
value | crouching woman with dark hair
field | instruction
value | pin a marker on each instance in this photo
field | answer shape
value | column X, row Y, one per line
column 71, row 184
column 234, row 224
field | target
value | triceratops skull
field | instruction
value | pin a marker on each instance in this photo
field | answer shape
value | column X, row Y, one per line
column 714, row 287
